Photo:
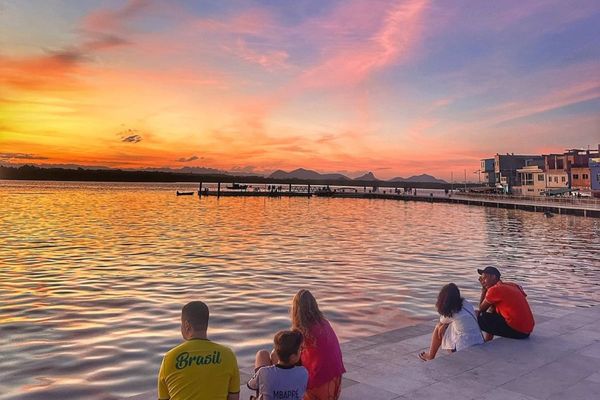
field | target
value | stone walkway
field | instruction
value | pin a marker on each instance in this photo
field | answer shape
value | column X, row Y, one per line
column 561, row 360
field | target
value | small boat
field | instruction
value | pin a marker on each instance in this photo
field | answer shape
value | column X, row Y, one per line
column 184, row 193
column 237, row 186
column 548, row 214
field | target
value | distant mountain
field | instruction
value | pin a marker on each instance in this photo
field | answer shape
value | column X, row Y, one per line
column 306, row 174
column 197, row 170
column 419, row 178
column 366, row 177
column 184, row 170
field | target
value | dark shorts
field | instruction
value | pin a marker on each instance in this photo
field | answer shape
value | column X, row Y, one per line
column 496, row 325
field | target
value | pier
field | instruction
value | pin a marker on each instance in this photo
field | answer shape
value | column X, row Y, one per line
column 561, row 360
column 585, row 207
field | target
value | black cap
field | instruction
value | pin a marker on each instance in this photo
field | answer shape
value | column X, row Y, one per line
column 489, row 271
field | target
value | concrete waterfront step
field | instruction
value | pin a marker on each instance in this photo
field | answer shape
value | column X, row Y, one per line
column 561, row 360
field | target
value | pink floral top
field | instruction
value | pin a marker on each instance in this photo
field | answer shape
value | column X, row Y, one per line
column 322, row 356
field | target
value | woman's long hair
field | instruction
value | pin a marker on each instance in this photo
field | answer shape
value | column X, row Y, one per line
column 305, row 312
column 449, row 300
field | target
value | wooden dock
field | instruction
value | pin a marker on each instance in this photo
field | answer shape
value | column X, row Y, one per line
column 584, row 208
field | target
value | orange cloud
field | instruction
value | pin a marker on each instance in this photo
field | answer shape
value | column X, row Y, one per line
column 49, row 72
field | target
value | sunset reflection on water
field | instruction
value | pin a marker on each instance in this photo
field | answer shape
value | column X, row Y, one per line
column 93, row 276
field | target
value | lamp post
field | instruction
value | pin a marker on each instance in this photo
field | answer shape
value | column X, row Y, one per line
column 479, row 175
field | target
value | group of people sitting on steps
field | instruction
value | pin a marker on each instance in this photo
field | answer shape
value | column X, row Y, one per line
column 306, row 361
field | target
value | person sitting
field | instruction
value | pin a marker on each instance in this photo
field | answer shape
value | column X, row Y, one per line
column 322, row 355
column 280, row 377
column 503, row 308
column 458, row 328
column 198, row 368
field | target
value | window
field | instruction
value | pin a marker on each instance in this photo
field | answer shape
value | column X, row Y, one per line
column 556, row 179
column 549, row 179
column 541, row 177
column 563, row 179
column 575, row 176
column 585, row 176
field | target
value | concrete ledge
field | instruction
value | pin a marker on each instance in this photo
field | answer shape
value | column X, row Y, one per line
column 561, row 360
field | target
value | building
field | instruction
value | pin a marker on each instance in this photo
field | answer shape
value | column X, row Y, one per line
column 594, row 165
column 575, row 164
column 487, row 169
column 580, row 179
column 532, row 181
column 557, row 179
column 506, row 167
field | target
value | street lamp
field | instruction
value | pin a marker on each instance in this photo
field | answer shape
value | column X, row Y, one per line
column 478, row 172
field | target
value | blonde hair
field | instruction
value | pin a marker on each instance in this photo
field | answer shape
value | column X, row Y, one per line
column 305, row 312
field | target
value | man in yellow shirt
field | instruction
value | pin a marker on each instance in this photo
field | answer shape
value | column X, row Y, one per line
column 198, row 369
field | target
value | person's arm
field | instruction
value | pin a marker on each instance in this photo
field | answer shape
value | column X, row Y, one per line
column 483, row 307
column 253, row 382
column 234, row 382
column 483, row 292
column 442, row 330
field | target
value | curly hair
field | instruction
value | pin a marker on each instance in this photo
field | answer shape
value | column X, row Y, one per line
column 449, row 300
column 305, row 312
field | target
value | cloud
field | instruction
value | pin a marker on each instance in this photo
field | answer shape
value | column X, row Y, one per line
column 189, row 159
column 114, row 20
column 354, row 61
column 21, row 156
column 270, row 60
column 131, row 136
column 132, row 139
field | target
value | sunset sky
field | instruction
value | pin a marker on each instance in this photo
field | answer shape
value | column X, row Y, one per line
column 394, row 87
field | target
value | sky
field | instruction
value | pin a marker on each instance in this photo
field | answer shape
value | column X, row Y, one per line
column 398, row 88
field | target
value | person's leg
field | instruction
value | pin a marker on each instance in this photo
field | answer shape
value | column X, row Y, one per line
column 495, row 324
column 273, row 357
column 436, row 342
column 263, row 359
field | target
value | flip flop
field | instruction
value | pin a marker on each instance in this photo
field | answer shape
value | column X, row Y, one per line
column 422, row 356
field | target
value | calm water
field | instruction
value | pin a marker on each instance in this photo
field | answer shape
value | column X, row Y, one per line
column 93, row 276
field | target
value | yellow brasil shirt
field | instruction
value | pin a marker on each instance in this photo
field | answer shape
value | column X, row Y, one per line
column 198, row 369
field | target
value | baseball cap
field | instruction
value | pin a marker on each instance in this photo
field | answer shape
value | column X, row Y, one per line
column 489, row 271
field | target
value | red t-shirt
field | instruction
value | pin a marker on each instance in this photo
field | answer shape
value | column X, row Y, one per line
column 510, row 302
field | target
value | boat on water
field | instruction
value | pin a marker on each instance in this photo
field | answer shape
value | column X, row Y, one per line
column 184, row 193
column 237, row 186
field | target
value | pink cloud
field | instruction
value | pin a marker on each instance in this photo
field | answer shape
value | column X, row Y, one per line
column 108, row 20
column 255, row 22
column 558, row 98
column 270, row 60
column 353, row 62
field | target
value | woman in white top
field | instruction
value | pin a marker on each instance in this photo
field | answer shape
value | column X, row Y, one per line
column 458, row 327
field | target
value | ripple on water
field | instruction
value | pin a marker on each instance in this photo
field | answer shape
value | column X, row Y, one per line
column 92, row 286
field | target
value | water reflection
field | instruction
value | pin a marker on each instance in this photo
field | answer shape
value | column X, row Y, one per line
column 93, row 276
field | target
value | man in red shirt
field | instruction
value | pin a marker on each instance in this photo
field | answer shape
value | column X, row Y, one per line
column 503, row 308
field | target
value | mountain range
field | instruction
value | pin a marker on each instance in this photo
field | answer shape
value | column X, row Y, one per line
column 300, row 173
column 307, row 174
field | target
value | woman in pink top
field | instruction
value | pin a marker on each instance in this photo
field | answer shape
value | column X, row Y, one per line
column 321, row 356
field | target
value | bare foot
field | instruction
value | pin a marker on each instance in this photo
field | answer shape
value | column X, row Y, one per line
column 425, row 356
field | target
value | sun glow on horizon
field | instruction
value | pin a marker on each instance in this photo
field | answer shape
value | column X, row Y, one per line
column 397, row 88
